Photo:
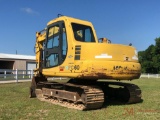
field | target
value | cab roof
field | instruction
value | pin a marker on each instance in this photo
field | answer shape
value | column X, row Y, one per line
column 68, row 19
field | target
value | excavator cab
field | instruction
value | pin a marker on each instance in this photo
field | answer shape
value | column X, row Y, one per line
column 57, row 42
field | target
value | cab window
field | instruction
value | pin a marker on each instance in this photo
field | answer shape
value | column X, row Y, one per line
column 82, row 33
column 52, row 60
column 53, row 37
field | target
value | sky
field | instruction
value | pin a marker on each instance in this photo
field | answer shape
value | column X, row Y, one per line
column 121, row 21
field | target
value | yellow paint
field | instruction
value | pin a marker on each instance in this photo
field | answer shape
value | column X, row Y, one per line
column 97, row 60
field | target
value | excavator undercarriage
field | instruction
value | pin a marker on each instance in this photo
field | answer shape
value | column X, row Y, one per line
column 84, row 95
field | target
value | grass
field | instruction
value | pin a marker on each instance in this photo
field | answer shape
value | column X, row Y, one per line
column 15, row 104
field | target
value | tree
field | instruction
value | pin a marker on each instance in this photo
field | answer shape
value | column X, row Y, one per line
column 150, row 58
column 157, row 46
column 156, row 58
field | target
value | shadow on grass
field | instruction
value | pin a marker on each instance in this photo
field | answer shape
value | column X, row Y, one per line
column 113, row 102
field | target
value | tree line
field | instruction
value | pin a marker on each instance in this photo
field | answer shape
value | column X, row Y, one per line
column 150, row 58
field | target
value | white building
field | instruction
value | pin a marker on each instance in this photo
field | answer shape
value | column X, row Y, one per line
column 14, row 61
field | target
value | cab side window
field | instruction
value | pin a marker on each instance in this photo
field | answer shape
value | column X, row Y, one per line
column 52, row 60
column 53, row 37
column 64, row 42
column 83, row 33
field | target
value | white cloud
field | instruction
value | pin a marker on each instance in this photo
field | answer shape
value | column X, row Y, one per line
column 29, row 11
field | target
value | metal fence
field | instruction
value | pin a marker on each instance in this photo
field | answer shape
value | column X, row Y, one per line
column 8, row 74
column 149, row 75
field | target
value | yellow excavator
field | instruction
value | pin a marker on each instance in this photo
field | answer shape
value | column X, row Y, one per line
column 69, row 48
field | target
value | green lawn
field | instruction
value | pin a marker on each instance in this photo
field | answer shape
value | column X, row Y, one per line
column 15, row 104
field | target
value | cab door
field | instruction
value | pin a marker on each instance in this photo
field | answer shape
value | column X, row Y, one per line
column 56, row 45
